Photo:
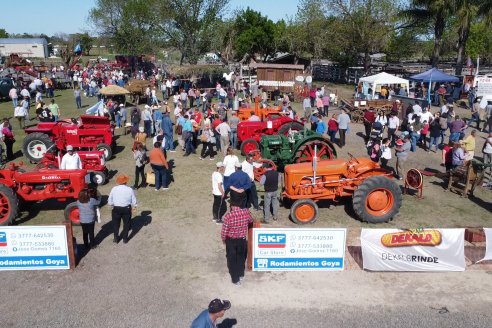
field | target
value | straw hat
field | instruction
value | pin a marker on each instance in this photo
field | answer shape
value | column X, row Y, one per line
column 122, row 179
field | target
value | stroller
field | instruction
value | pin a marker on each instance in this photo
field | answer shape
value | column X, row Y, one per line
column 374, row 144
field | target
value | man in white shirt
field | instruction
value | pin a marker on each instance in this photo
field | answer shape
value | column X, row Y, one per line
column 393, row 125
column 219, row 207
column 426, row 116
column 71, row 160
column 252, row 196
column 224, row 129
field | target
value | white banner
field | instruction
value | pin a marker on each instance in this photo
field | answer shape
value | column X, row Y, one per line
column 484, row 86
column 33, row 248
column 290, row 249
column 418, row 250
column 488, row 244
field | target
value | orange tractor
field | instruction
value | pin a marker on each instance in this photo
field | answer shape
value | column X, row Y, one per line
column 375, row 197
column 245, row 113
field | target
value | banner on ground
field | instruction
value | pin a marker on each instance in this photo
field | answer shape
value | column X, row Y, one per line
column 97, row 109
column 413, row 250
column 488, row 244
column 34, row 248
column 298, row 249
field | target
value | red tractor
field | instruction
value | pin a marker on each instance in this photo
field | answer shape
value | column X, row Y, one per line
column 18, row 185
column 92, row 161
column 90, row 133
column 249, row 133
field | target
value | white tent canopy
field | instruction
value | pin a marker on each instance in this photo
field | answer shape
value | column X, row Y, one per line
column 382, row 79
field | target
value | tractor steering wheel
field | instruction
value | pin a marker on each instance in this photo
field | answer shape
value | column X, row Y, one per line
column 352, row 158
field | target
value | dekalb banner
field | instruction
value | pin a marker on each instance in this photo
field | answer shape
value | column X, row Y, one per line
column 288, row 249
column 413, row 250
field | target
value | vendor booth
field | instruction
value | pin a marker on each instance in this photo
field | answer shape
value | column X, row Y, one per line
column 382, row 79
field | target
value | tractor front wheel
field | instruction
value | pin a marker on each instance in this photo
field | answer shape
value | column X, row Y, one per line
column 377, row 200
column 304, row 211
column 9, row 204
column 72, row 213
column 108, row 152
column 248, row 146
column 35, row 145
column 98, row 178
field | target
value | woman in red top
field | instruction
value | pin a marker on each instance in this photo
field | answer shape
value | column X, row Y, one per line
column 332, row 127
column 8, row 138
column 447, row 156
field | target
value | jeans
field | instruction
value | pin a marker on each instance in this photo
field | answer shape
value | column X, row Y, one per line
column 160, row 176
column 155, row 100
column 443, row 134
column 332, row 134
column 207, row 149
column 219, row 207
column 118, row 214
column 118, row 120
column 169, row 142
column 342, row 132
column 455, row 136
column 188, row 138
column 414, row 136
column 78, row 102
column 236, row 252
column 55, row 117
column 147, row 127
column 325, row 110
column 433, row 142
column 234, row 138
column 88, row 233
column 139, row 173
column 14, row 101
column 252, row 196
column 271, row 198
column 487, row 159
column 392, row 136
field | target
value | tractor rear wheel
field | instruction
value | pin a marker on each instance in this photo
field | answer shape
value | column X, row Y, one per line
column 295, row 126
column 248, row 146
column 108, row 152
column 72, row 213
column 377, row 200
column 259, row 171
column 9, row 204
column 306, row 152
column 98, row 177
column 35, row 145
column 304, row 211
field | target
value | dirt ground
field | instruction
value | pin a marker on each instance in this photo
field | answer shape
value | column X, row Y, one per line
column 175, row 263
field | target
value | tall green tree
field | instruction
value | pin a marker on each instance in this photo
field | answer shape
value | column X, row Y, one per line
column 432, row 13
column 85, row 40
column 3, row 33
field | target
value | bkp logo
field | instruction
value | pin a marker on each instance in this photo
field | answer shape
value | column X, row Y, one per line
column 271, row 240
column 3, row 239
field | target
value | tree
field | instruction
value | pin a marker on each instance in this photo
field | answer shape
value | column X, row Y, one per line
column 129, row 24
column 3, row 33
column 254, row 34
column 433, row 13
column 189, row 25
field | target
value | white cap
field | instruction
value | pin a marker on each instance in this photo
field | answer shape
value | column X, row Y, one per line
column 219, row 164
column 237, row 164
column 121, row 105
column 141, row 129
column 146, row 106
column 69, row 147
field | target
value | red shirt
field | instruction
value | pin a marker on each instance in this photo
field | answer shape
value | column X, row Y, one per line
column 236, row 223
column 332, row 125
column 370, row 116
column 448, row 154
column 216, row 123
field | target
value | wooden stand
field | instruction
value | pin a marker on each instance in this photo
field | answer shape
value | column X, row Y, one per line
column 464, row 179
column 71, row 252
column 249, row 260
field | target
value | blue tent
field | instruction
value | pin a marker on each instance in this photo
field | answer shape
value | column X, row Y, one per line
column 434, row 75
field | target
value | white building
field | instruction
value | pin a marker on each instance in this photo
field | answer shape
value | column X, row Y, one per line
column 36, row 47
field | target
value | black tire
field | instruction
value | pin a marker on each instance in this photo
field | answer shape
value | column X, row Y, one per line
column 304, row 206
column 108, row 152
column 382, row 212
column 69, row 216
column 284, row 129
column 248, row 143
column 9, row 204
column 35, row 145
column 98, row 177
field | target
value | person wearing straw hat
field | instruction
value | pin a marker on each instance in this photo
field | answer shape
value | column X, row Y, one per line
column 123, row 201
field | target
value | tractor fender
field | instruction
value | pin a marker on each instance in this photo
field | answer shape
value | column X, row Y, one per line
column 313, row 138
column 375, row 172
column 7, row 182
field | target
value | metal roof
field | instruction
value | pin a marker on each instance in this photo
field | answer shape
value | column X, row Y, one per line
column 281, row 66
column 23, row 41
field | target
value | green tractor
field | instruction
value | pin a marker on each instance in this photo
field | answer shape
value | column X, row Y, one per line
column 296, row 147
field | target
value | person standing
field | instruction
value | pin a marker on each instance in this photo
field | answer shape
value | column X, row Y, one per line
column 207, row 144
column 306, row 105
column 458, row 156
column 78, row 99
column 238, row 184
column 219, row 207
column 332, row 127
column 487, row 152
column 229, row 161
column 252, row 195
column 140, row 157
column 402, row 149
column 188, row 136
column 208, row 318
column 321, row 126
column 71, row 160
column 147, row 119
column 160, row 166
column 326, row 104
column 369, row 118
column 87, row 212
column 343, row 125
column 269, row 180
column 233, row 123
column 13, row 95
column 233, row 235
column 55, row 110
column 167, row 128
column 20, row 114
column 456, row 128
column 393, row 126
column 224, row 129
column 123, row 202
column 385, row 153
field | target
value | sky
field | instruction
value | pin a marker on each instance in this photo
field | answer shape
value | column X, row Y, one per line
column 70, row 16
